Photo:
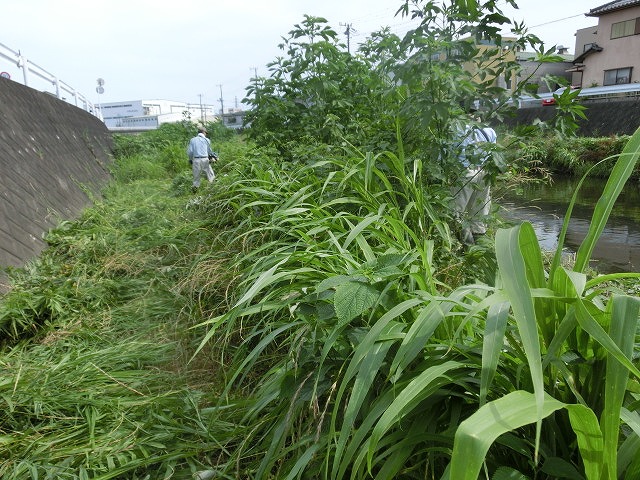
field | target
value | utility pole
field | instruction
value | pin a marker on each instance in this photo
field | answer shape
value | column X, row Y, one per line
column 255, row 82
column 201, row 109
column 347, row 32
column 221, row 100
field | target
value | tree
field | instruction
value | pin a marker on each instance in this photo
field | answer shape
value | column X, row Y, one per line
column 318, row 91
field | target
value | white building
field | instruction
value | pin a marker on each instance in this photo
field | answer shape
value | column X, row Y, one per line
column 233, row 119
column 146, row 122
column 149, row 114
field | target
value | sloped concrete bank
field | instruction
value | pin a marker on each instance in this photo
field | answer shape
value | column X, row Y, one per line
column 53, row 158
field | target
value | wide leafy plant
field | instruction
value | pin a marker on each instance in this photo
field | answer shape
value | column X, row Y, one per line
column 579, row 341
column 356, row 360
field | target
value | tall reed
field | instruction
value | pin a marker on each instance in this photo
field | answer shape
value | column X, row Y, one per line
column 355, row 360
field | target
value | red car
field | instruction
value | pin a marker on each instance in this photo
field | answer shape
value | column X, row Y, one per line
column 552, row 100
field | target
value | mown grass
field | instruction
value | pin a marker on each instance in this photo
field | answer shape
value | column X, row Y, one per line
column 96, row 380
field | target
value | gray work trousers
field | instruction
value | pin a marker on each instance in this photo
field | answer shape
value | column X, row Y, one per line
column 472, row 202
column 201, row 165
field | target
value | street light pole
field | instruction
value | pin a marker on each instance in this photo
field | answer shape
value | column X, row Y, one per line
column 221, row 100
column 202, row 119
column 100, row 91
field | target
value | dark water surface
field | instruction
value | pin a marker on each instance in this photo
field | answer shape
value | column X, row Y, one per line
column 544, row 206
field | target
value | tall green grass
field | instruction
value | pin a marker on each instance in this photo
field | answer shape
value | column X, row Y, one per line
column 355, row 359
column 574, row 155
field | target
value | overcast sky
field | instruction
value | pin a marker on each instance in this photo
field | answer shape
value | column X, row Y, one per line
column 191, row 51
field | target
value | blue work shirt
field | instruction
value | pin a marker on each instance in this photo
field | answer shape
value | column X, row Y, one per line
column 471, row 151
column 199, row 146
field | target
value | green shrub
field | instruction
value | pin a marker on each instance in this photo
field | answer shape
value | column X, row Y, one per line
column 573, row 155
column 165, row 136
column 130, row 169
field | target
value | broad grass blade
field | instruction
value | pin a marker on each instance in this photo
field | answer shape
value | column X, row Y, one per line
column 591, row 326
column 478, row 432
column 367, row 373
column 508, row 473
column 513, row 270
column 362, row 351
column 624, row 321
column 302, row 462
column 619, row 175
column 416, row 338
column 492, row 344
column 412, row 394
column 629, row 451
column 587, row 429
column 358, row 229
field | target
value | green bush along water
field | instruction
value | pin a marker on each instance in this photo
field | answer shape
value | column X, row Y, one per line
column 572, row 156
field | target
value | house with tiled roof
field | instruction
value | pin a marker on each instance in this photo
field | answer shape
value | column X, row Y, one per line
column 609, row 53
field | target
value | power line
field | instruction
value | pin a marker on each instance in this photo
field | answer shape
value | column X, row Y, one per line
column 558, row 20
column 402, row 27
column 380, row 19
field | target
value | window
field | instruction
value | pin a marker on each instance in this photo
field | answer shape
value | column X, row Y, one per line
column 626, row 28
column 618, row 76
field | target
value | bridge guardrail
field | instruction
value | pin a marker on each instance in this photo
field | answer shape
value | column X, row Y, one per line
column 605, row 93
column 30, row 69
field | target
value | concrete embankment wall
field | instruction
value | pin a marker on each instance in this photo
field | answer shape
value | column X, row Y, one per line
column 53, row 158
column 604, row 118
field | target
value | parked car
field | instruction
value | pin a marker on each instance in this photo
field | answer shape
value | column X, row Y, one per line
column 552, row 99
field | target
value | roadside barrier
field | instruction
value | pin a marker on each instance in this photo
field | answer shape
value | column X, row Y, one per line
column 38, row 78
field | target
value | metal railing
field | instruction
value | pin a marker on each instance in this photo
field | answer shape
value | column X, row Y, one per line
column 30, row 70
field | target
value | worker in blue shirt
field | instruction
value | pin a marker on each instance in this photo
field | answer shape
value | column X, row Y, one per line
column 472, row 199
column 200, row 156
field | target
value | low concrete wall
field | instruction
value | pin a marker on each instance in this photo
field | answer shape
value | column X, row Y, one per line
column 604, row 118
column 53, row 157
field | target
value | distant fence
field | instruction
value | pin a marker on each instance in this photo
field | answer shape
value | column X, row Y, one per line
column 30, row 70
column 596, row 94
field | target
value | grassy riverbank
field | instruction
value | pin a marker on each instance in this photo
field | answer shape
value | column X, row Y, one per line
column 312, row 314
column 571, row 156
column 311, row 318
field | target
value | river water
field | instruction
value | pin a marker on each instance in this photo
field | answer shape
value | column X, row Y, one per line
column 544, row 206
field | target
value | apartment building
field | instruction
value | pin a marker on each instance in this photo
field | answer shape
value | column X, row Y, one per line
column 609, row 53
